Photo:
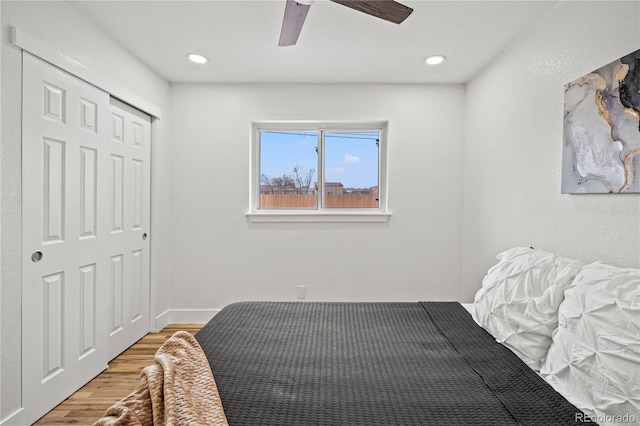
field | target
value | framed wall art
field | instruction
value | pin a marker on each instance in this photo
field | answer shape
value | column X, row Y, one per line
column 601, row 152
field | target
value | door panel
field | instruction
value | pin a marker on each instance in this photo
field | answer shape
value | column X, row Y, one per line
column 88, row 192
column 87, row 304
column 65, row 139
column 129, row 181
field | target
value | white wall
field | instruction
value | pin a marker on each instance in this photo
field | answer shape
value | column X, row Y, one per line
column 471, row 174
column 60, row 27
column 513, row 145
column 219, row 258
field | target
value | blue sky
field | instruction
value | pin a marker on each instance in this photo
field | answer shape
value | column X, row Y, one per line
column 350, row 158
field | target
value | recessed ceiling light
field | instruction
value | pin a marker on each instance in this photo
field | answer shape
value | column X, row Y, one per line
column 197, row 58
column 434, row 60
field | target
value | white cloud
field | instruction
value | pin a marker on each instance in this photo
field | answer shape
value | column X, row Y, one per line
column 350, row 159
column 337, row 170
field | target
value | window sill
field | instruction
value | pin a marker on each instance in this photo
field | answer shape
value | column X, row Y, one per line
column 315, row 216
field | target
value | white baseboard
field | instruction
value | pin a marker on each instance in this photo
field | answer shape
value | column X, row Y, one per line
column 180, row 316
column 15, row 418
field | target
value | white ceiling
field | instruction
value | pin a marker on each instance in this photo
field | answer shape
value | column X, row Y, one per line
column 337, row 44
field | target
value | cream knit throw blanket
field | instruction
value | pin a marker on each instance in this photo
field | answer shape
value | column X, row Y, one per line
column 178, row 389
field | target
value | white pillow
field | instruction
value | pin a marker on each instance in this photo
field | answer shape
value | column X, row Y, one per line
column 594, row 360
column 519, row 299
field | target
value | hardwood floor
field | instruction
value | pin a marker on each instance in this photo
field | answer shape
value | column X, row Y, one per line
column 89, row 403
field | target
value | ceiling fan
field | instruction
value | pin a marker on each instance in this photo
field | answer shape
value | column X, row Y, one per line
column 295, row 13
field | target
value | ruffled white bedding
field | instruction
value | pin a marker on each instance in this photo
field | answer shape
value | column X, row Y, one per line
column 578, row 325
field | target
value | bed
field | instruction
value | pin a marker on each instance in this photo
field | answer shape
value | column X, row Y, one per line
column 548, row 340
column 370, row 364
column 542, row 331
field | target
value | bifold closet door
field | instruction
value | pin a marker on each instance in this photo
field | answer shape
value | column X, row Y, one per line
column 65, row 264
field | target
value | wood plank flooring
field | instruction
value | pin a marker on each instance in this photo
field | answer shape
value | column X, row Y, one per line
column 89, row 403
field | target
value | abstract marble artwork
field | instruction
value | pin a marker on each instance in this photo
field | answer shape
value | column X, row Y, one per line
column 601, row 151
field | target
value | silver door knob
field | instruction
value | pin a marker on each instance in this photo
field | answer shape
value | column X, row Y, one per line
column 36, row 256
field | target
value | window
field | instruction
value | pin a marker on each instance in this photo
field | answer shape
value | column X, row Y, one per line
column 318, row 172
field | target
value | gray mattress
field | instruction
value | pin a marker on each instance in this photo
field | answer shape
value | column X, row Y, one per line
column 424, row 363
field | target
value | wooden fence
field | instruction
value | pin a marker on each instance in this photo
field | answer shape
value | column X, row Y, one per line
column 289, row 201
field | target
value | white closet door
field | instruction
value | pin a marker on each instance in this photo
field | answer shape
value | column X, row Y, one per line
column 129, row 205
column 86, row 216
column 65, row 228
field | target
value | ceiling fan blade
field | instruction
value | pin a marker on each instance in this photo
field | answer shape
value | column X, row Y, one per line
column 294, row 16
column 388, row 10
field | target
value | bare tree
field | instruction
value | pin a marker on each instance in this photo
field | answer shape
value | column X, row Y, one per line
column 302, row 177
column 287, row 183
column 267, row 181
column 279, row 185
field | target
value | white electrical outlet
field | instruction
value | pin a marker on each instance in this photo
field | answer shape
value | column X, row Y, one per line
column 302, row 292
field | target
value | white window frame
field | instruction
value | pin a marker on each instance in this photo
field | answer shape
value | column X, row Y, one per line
column 320, row 214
